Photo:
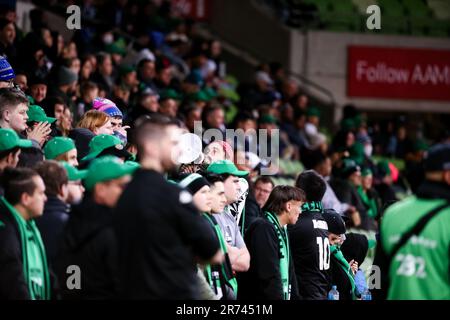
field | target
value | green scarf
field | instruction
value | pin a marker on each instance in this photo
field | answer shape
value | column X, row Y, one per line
column 34, row 259
column 232, row 282
column 345, row 266
column 371, row 204
column 313, row 206
column 284, row 252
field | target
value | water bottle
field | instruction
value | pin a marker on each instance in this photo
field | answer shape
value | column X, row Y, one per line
column 333, row 294
column 366, row 295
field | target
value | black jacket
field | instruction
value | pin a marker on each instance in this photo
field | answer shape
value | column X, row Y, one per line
column 90, row 243
column 311, row 254
column 51, row 226
column 13, row 285
column 263, row 280
column 160, row 233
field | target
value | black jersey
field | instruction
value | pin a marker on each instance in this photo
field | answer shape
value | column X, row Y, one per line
column 310, row 251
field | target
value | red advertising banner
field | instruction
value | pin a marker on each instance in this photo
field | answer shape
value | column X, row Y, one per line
column 400, row 73
column 195, row 9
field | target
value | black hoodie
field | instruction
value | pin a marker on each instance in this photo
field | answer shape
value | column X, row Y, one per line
column 89, row 243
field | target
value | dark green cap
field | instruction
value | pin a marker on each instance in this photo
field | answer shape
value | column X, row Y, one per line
column 10, row 140
column 36, row 113
column 100, row 143
column 169, row 94
column 106, row 168
column 226, row 167
column 421, row 145
column 267, row 118
column 348, row 124
column 73, row 173
column 313, row 112
column 199, row 96
column 366, row 172
column 58, row 146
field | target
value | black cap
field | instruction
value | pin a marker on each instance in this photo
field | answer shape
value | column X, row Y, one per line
column 335, row 221
column 438, row 158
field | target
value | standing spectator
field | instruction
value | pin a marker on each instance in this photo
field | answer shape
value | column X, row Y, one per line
column 240, row 258
column 220, row 277
column 271, row 275
column 56, row 210
column 24, row 273
column 263, row 187
column 157, row 244
column 89, row 239
column 309, row 240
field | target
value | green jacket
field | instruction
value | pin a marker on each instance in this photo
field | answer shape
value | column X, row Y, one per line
column 421, row 268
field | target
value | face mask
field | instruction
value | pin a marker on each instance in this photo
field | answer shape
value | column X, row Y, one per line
column 368, row 150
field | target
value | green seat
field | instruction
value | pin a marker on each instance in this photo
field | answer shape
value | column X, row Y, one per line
column 416, row 8
column 391, row 8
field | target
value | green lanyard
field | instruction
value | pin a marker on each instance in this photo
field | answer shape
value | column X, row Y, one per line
column 345, row 266
column 285, row 254
column 232, row 282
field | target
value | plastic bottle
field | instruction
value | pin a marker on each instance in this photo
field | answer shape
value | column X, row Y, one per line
column 366, row 295
column 333, row 294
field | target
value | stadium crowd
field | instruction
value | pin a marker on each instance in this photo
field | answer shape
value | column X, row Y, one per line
column 90, row 132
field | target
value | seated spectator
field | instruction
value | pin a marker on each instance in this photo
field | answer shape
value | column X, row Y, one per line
column 61, row 149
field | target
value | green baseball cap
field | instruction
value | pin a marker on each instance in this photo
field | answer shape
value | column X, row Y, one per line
column 9, row 140
column 36, row 113
column 58, row 146
column 199, row 96
column 313, row 112
column 268, row 118
column 226, row 167
column 366, row 172
column 100, row 143
column 106, row 168
column 169, row 94
column 73, row 173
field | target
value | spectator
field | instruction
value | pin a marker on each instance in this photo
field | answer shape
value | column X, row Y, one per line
column 157, row 244
column 24, row 271
column 10, row 148
column 61, row 149
column 342, row 272
column 310, row 246
column 97, row 122
column 103, row 77
column 7, row 38
column 271, row 275
column 88, row 92
column 56, row 210
column 89, row 240
column 238, row 252
column 220, row 277
column 263, row 187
